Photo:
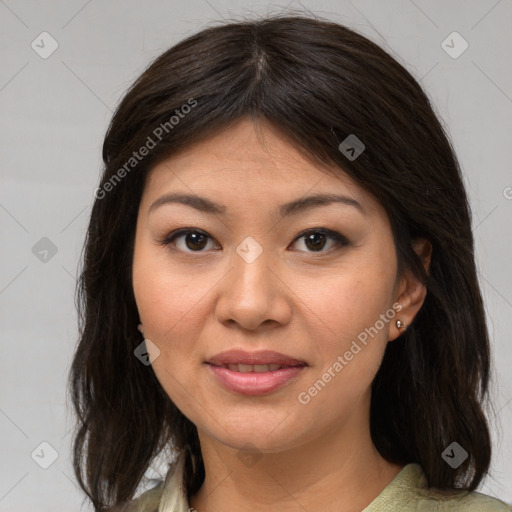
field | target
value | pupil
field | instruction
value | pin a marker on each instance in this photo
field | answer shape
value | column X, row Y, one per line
column 316, row 243
column 194, row 242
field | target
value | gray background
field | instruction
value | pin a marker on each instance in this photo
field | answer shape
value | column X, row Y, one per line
column 54, row 115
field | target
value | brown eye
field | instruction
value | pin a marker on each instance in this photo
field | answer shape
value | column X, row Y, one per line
column 188, row 240
column 317, row 239
column 195, row 241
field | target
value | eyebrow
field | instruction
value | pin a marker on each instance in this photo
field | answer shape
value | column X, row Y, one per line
column 291, row 208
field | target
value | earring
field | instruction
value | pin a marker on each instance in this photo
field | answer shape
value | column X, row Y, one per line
column 401, row 325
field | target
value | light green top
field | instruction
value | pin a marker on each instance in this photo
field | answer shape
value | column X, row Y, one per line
column 407, row 492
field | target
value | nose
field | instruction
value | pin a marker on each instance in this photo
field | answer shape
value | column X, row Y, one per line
column 253, row 294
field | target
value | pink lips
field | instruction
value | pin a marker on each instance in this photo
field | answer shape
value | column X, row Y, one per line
column 270, row 371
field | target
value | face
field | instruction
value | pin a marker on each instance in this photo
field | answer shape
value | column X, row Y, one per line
column 310, row 289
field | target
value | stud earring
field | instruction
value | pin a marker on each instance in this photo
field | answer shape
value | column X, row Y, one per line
column 401, row 325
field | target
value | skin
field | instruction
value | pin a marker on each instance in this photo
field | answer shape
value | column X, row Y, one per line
column 307, row 304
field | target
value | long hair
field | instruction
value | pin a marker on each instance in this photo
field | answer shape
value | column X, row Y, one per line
column 318, row 82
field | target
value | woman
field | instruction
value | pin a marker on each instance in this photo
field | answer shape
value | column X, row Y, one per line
column 279, row 286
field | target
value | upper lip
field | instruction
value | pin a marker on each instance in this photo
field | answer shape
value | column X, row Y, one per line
column 253, row 358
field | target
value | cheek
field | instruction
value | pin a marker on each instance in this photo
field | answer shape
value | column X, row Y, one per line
column 173, row 306
column 352, row 350
column 353, row 302
column 170, row 308
column 350, row 354
column 166, row 299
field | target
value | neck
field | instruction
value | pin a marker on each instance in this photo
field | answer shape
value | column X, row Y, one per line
column 333, row 473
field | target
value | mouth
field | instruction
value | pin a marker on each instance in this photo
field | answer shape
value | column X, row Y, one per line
column 254, row 368
column 255, row 373
column 260, row 361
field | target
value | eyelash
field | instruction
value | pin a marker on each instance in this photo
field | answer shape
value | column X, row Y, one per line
column 340, row 240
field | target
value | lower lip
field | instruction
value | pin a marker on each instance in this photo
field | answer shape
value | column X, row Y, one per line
column 255, row 383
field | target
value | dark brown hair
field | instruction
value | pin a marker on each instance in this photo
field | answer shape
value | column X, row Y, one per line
column 317, row 82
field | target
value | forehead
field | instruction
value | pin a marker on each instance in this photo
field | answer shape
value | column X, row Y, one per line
column 248, row 164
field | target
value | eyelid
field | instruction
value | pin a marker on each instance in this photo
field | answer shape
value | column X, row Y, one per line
column 169, row 239
column 340, row 240
column 329, row 232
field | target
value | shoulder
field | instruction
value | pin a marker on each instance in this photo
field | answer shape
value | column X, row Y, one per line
column 429, row 499
column 147, row 502
column 466, row 501
column 408, row 492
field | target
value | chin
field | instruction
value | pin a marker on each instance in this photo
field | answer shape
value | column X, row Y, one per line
column 270, row 435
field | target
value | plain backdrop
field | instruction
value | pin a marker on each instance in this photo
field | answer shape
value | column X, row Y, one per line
column 55, row 110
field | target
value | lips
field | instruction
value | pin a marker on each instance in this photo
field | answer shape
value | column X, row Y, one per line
column 248, row 368
column 256, row 373
column 263, row 360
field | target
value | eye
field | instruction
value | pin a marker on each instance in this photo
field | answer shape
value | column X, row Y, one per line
column 191, row 239
column 194, row 240
column 315, row 239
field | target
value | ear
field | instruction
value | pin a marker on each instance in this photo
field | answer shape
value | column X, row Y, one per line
column 411, row 292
